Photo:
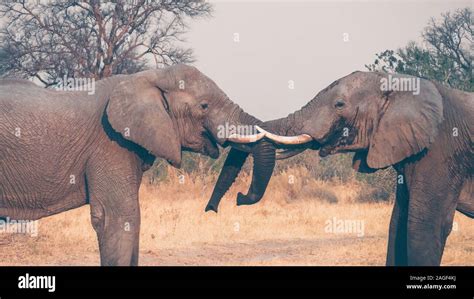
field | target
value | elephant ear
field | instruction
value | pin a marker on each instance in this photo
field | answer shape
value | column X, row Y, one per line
column 409, row 124
column 138, row 110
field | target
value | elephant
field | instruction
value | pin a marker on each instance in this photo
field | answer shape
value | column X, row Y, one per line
column 424, row 134
column 60, row 150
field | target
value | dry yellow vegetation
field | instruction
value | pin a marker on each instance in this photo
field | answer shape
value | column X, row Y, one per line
column 288, row 227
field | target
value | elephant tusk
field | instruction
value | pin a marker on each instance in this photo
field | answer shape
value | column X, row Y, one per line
column 245, row 138
column 285, row 154
column 300, row 139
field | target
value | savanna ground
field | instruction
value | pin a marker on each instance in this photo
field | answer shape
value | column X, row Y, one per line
column 288, row 227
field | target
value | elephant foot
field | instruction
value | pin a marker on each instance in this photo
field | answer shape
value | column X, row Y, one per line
column 243, row 200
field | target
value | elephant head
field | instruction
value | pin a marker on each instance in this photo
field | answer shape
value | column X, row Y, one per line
column 178, row 108
column 358, row 114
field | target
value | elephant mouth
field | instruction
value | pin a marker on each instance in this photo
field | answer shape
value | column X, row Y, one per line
column 206, row 146
column 330, row 149
column 210, row 147
column 344, row 140
column 341, row 146
column 336, row 145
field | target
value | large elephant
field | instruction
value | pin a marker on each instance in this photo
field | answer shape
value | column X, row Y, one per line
column 60, row 150
column 425, row 134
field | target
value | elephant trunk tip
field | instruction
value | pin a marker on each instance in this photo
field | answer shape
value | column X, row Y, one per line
column 210, row 207
column 243, row 200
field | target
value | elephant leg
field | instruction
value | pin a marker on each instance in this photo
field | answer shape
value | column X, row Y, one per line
column 115, row 216
column 118, row 237
column 136, row 243
column 397, row 240
column 430, row 217
column 466, row 198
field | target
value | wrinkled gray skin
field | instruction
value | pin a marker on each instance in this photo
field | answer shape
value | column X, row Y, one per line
column 427, row 138
column 61, row 150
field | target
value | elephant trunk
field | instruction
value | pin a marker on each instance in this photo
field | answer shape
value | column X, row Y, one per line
column 264, row 163
column 290, row 125
column 229, row 173
column 263, row 152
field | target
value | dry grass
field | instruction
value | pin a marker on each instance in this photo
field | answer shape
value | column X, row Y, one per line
column 286, row 228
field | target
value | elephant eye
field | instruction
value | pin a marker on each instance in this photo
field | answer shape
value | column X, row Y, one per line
column 339, row 104
column 204, row 106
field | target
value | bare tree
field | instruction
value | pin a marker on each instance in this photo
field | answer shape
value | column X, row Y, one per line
column 52, row 39
column 452, row 39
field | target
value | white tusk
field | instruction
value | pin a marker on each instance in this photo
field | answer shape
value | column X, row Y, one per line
column 245, row 138
column 300, row 139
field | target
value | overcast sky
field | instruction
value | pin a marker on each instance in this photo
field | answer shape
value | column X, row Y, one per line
column 302, row 41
